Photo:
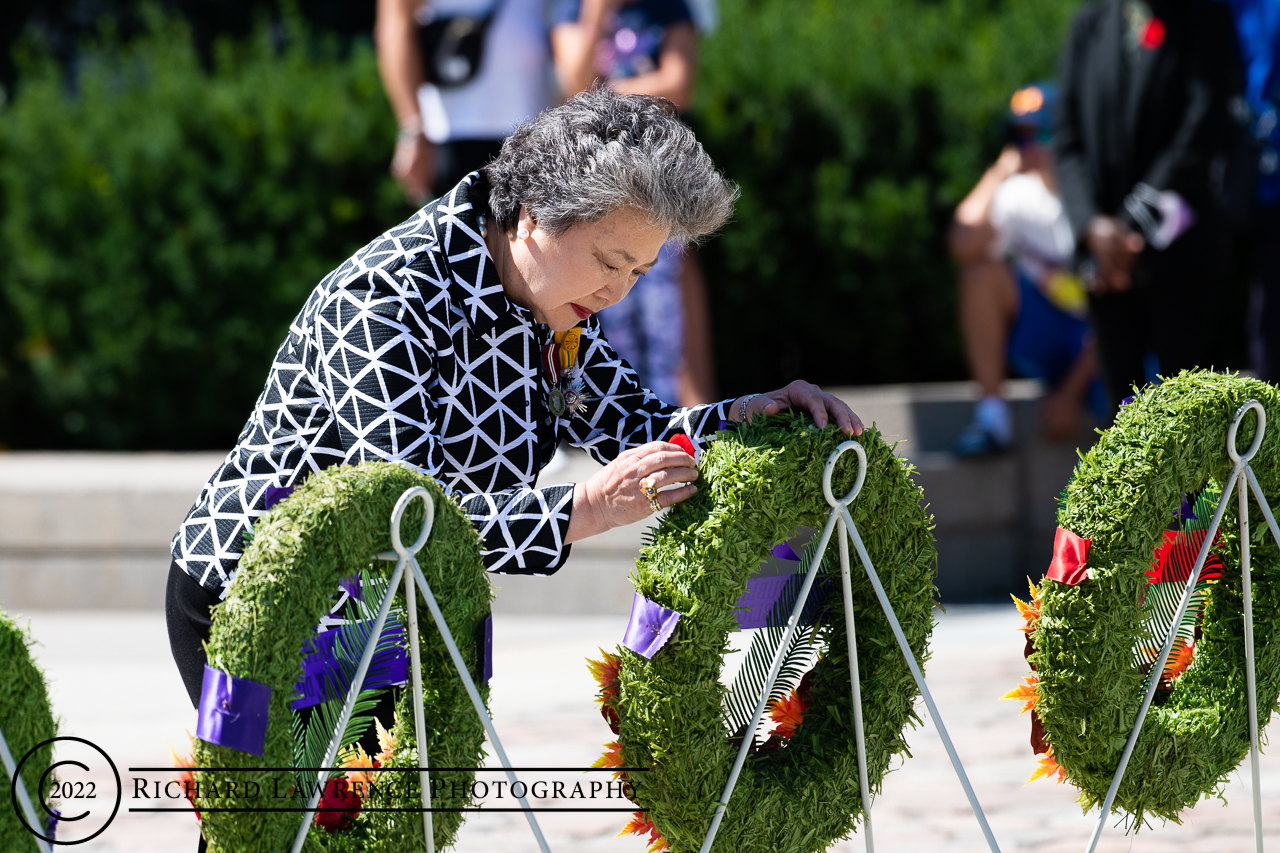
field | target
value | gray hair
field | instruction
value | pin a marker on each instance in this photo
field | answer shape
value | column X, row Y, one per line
column 601, row 151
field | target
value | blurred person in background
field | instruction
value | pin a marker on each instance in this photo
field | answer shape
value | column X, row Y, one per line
column 1020, row 308
column 1258, row 204
column 645, row 47
column 1143, row 96
column 460, row 75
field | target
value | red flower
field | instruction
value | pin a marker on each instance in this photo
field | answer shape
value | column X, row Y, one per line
column 1152, row 34
column 338, row 795
column 682, row 441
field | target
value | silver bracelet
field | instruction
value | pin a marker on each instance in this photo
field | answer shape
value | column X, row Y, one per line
column 742, row 407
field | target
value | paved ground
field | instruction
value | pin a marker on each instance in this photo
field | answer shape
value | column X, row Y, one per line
column 113, row 683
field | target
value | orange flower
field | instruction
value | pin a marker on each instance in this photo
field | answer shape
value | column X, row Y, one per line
column 1030, row 610
column 1047, row 768
column 641, row 825
column 612, row 756
column 355, row 757
column 186, row 778
column 1027, row 693
column 788, row 713
column 1179, row 659
column 606, row 673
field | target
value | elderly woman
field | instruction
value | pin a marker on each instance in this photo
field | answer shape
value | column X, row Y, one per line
column 437, row 345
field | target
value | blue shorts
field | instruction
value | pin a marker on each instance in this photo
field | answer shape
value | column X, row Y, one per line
column 1046, row 341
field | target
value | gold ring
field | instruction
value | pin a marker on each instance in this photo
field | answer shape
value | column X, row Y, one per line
column 654, row 506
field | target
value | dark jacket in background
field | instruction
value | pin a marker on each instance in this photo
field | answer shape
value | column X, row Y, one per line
column 1158, row 119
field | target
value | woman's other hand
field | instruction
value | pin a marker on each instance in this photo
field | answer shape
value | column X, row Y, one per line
column 616, row 494
column 824, row 408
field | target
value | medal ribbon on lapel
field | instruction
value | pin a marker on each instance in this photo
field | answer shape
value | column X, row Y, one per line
column 561, row 354
column 551, row 363
column 568, row 347
column 559, row 358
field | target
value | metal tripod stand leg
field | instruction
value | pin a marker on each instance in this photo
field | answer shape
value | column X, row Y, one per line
column 20, row 791
column 419, row 724
column 855, row 680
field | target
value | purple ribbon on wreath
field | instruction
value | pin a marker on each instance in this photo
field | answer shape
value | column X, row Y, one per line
column 650, row 627
column 233, row 711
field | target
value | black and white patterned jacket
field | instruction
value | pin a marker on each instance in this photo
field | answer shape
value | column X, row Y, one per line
column 410, row 351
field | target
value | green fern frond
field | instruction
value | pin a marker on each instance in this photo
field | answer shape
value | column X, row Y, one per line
column 744, row 693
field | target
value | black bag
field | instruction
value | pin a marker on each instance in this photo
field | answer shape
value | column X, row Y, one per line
column 453, row 47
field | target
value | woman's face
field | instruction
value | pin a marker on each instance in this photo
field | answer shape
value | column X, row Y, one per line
column 565, row 280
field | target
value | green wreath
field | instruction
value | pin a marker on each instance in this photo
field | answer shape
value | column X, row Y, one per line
column 1167, row 443
column 329, row 528
column 758, row 484
column 26, row 719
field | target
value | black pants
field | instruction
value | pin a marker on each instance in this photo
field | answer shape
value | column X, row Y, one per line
column 458, row 158
column 1164, row 319
column 1266, row 272
column 186, row 611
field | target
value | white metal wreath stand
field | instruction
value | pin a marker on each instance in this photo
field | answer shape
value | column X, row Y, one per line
column 840, row 518
column 1241, row 474
column 24, row 801
column 406, row 556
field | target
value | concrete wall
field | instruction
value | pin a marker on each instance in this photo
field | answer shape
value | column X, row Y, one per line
column 91, row 530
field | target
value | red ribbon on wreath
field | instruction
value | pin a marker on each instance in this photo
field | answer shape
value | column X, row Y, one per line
column 1070, row 552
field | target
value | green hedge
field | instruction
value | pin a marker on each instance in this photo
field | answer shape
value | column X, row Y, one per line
column 160, row 224
column 854, row 128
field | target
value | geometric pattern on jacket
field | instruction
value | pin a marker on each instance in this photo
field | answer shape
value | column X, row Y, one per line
column 411, row 352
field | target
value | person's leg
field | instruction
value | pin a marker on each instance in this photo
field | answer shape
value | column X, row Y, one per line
column 697, row 375
column 1060, row 410
column 988, row 306
column 1267, row 272
column 661, row 314
column 1054, row 345
column 1121, row 333
column 1174, row 313
column 186, row 610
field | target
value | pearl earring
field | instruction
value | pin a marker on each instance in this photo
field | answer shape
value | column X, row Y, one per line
column 522, row 233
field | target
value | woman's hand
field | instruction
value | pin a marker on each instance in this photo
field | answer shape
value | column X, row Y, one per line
column 615, row 495
column 820, row 405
